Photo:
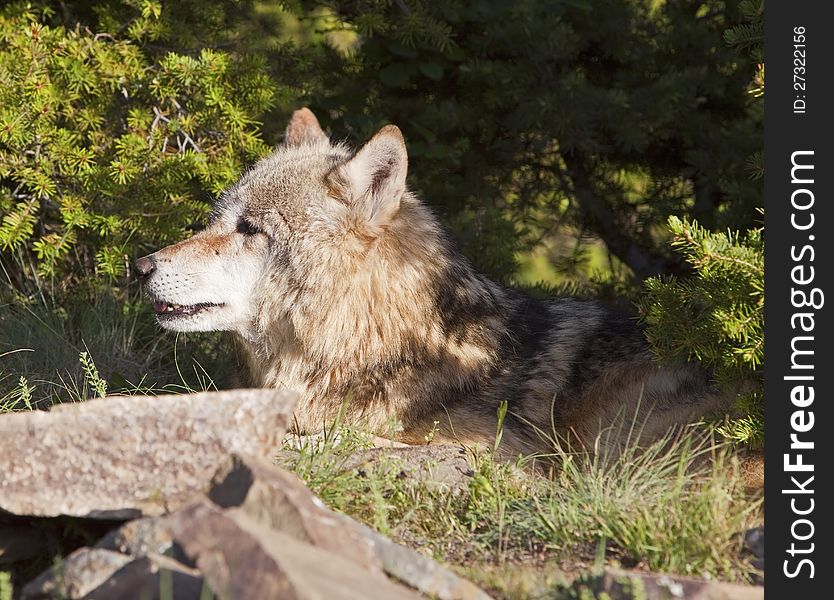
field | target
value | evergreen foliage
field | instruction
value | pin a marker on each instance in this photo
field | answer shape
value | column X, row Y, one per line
column 749, row 36
column 104, row 145
column 715, row 316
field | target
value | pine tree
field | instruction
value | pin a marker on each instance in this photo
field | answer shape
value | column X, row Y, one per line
column 716, row 316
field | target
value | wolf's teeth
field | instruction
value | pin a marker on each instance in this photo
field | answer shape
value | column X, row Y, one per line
column 181, row 309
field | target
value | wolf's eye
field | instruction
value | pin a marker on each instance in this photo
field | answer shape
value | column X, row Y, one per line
column 247, row 228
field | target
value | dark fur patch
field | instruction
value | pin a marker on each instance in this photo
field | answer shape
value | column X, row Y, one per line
column 460, row 315
column 528, row 325
column 381, row 174
column 616, row 339
column 337, row 186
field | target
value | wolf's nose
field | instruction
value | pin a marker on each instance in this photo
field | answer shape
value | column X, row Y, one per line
column 144, row 266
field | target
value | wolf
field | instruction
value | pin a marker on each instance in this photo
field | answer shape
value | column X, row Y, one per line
column 338, row 282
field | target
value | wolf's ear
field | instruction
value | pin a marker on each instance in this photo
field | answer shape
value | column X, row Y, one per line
column 303, row 128
column 373, row 181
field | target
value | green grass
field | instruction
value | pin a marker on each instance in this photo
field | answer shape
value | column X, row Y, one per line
column 51, row 353
column 678, row 506
column 5, row 586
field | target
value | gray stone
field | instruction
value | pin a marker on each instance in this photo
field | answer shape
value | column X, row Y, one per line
column 138, row 560
column 280, row 501
column 418, row 571
column 148, row 535
column 151, row 578
column 123, row 457
column 436, row 466
column 240, row 558
column 76, row 576
column 754, row 544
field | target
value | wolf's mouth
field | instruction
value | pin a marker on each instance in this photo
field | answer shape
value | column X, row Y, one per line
column 166, row 310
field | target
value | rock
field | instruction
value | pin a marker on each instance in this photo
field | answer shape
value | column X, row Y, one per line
column 633, row 585
column 276, row 499
column 80, row 573
column 280, row 501
column 149, row 535
column 135, row 561
column 443, row 466
column 754, row 544
column 754, row 549
column 418, row 571
column 242, row 559
column 120, row 458
column 152, row 578
column 439, row 466
column 253, row 530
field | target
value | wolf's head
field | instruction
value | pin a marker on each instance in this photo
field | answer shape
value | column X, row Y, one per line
column 305, row 227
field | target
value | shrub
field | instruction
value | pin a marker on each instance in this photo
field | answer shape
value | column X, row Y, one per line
column 103, row 144
column 715, row 316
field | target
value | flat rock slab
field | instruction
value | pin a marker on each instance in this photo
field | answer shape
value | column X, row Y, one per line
column 97, row 574
column 436, row 466
column 124, row 457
